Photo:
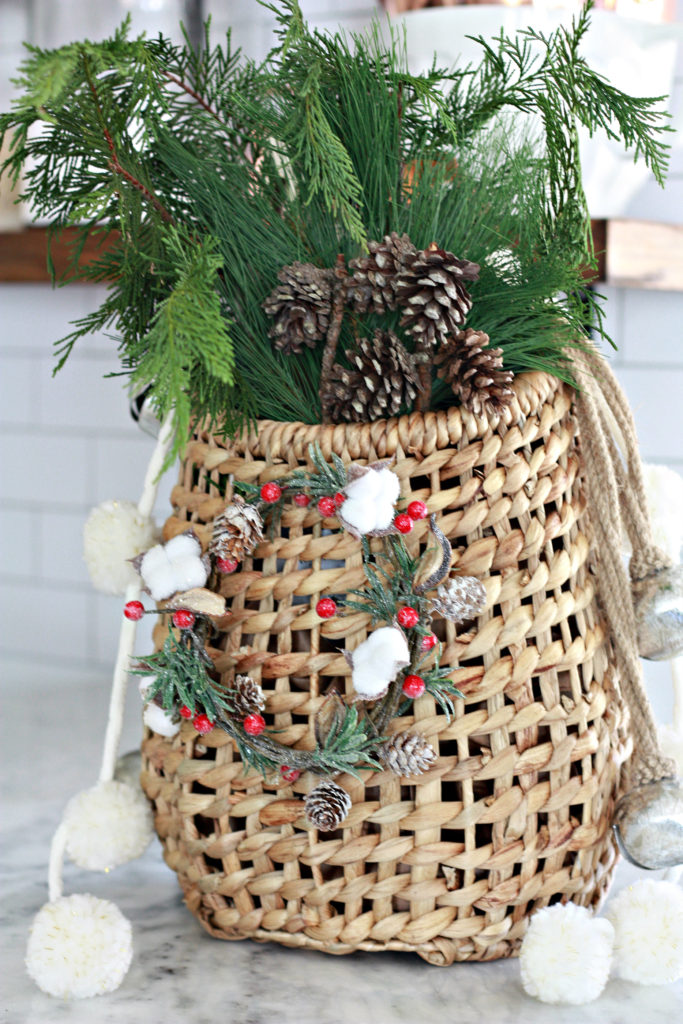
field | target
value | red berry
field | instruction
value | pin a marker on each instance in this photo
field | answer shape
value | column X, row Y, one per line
column 429, row 642
column 185, row 712
column 203, row 724
column 271, row 492
column 254, row 725
column 326, row 608
column 339, row 498
column 408, row 617
column 327, row 507
column 413, row 686
column 226, row 565
column 302, row 500
column 417, row 510
column 289, row 774
column 134, row 610
column 403, row 523
column 183, row 618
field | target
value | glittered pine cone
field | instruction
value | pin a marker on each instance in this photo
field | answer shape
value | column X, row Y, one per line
column 408, row 753
column 246, row 696
column 383, row 380
column 300, row 306
column 460, row 598
column 431, row 291
column 375, row 275
column 475, row 372
column 236, row 530
column 327, row 806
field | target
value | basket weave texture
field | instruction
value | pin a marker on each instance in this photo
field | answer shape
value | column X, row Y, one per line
column 515, row 812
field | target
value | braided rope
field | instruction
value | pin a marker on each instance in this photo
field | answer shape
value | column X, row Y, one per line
column 617, row 497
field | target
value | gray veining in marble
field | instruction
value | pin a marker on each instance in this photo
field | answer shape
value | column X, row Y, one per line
column 179, row 973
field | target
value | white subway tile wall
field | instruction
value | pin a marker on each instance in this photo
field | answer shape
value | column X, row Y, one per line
column 68, row 442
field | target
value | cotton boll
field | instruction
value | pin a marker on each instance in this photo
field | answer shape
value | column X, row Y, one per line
column 159, row 721
column 566, row 954
column 368, row 684
column 115, row 532
column 648, row 932
column 390, row 485
column 384, row 515
column 174, row 566
column 358, row 514
column 189, row 572
column 107, row 825
column 145, row 684
column 183, row 545
column 79, row 946
column 365, row 487
column 376, row 662
column 369, row 505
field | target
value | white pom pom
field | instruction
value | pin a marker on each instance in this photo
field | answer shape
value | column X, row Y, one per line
column 107, row 825
column 565, row 955
column 648, row 932
column 159, row 721
column 177, row 565
column 114, row 532
column 664, row 492
column 79, row 946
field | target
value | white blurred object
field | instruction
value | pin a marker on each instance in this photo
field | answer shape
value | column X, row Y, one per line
column 633, row 55
column 664, row 489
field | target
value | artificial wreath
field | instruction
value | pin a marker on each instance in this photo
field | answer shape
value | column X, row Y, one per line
column 396, row 664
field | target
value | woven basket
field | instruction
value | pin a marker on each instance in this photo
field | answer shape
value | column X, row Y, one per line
column 515, row 813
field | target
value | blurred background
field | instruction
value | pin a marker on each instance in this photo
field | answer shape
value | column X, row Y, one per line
column 68, row 443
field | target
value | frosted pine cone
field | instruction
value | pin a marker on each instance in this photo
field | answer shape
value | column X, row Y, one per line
column 246, row 696
column 327, row 806
column 374, row 276
column 301, row 306
column 408, row 754
column 475, row 372
column 384, row 380
column 460, row 598
column 236, row 530
column 432, row 293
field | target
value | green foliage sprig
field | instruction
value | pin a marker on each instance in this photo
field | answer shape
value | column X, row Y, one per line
column 202, row 175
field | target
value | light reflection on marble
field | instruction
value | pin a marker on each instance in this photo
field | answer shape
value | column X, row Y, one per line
column 179, row 973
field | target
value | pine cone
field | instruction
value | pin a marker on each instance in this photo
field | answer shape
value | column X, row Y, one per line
column 460, row 598
column 475, row 372
column 408, row 754
column 327, row 806
column 246, row 696
column 384, row 380
column 236, row 530
column 432, row 292
column 301, row 306
column 375, row 275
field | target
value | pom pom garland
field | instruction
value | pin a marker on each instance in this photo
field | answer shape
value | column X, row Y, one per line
column 177, row 565
column 79, row 946
column 376, row 662
column 107, row 825
column 114, row 533
column 648, row 932
column 566, row 954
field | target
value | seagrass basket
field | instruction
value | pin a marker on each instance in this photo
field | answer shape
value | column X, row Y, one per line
column 515, row 813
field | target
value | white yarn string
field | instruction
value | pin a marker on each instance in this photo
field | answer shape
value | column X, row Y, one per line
column 129, row 628
column 54, row 874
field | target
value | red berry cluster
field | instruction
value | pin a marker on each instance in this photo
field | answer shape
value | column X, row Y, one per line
column 414, row 686
column 202, row 723
column 404, row 520
column 271, row 493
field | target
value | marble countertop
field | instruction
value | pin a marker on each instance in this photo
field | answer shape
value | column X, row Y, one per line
column 52, row 743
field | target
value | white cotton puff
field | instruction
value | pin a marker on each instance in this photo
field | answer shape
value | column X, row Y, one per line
column 648, row 932
column 671, row 744
column 177, row 565
column 107, row 825
column 370, row 498
column 145, row 684
column 79, row 946
column 664, row 493
column 376, row 662
column 113, row 533
column 159, row 721
column 566, row 954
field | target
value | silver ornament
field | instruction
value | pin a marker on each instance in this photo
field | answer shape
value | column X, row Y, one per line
column 658, row 606
column 128, row 768
column 144, row 413
column 648, row 825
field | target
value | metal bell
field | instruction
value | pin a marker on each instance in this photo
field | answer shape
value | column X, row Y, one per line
column 658, row 606
column 648, row 825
